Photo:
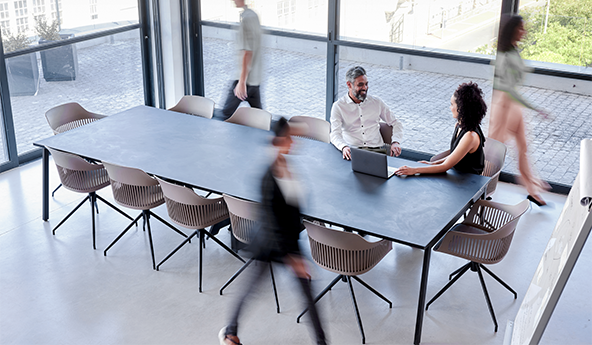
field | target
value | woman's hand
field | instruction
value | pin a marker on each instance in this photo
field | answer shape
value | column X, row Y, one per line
column 405, row 170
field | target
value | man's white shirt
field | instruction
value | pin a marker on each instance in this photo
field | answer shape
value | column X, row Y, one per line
column 357, row 124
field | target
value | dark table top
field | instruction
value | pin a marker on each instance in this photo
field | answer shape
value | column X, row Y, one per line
column 229, row 158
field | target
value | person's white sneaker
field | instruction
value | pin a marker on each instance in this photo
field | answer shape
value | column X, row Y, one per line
column 222, row 336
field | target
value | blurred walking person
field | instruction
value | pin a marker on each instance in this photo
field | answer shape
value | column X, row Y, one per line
column 280, row 227
column 249, row 67
column 506, row 119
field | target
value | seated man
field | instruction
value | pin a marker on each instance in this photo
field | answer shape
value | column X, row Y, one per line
column 355, row 119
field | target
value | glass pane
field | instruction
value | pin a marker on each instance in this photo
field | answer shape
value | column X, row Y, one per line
column 419, row 99
column 294, row 72
column 26, row 22
column 3, row 148
column 104, row 75
column 454, row 25
column 309, row 16
column 559, row 36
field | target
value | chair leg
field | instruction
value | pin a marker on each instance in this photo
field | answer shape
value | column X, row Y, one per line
column 455, row 272
column 93, row 201
column 372, row 290
column 114, row 207
column 499, row 280
column 70, row 214
column 319, row 296
column 146, row 214
column 166, row 223
column 221, row 244
column 353, row 296
column 236, row 275
column 187, row 240
column 135, row 221
column 460, row 273
column 277, row 301
column 55, row 190
column 201, row 240
column 487, row 297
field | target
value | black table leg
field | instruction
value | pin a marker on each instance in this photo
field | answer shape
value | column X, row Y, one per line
column 422, row 294
column 45, row 185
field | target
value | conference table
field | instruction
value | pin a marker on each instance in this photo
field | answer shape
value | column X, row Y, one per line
column 228, row 158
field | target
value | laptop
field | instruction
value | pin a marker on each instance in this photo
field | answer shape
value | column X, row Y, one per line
column 371, row 163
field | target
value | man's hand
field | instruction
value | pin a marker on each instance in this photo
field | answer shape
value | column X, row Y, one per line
column 240, row 91
column 395, row 149
column 346, row 151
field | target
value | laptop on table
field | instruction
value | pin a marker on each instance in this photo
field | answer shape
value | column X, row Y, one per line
column 371, row 163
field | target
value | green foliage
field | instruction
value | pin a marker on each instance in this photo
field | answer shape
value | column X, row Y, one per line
column 487, row 49
column 14, row 42
column 566, row 37
column 571, row 8
column 48, row 32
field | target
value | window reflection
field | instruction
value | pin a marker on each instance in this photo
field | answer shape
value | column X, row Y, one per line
column 307, row 16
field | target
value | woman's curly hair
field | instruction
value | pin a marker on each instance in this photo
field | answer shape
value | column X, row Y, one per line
column 470, row 105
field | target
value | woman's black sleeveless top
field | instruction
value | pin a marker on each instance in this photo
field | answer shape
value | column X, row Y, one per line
column 473, row 163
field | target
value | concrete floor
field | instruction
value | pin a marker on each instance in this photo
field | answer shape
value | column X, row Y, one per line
column 58, row 290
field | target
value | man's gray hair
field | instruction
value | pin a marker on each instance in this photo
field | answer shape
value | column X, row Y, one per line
column 354, row 72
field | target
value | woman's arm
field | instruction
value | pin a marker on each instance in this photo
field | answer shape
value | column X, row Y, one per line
column 469, row 141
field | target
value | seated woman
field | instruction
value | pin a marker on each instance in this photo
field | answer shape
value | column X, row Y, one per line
column 466, row 147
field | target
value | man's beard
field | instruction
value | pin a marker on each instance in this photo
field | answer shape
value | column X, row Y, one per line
column 360, row 96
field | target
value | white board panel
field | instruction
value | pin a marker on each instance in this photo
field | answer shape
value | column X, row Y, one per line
column 562, row 251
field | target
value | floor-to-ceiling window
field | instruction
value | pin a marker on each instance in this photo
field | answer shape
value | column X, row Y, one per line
column 293, row 47
column 59, row 51
column 417, row 52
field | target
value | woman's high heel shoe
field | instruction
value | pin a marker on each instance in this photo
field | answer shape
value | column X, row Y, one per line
column 537, row 201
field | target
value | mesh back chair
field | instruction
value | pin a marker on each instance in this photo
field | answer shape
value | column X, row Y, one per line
column 252, row 117
column 193, row 211
column 80, row 176
column 484, row 237
column 318, row 129
column 195, row 105
column 68, row 116
column 243, row 222
column 135, row 189
column 386, row 132
column 495, row 156
column 348, row 255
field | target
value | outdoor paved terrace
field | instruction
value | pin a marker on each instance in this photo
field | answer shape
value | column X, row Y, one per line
column 110, row 81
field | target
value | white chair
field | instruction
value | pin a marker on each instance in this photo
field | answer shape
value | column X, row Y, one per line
column 318, row 129
column 68, row 116
column 484, row 237
column 80, row 176
column 243, row 223
column 495, row 156
column 386, row 132
column 195, row 105
column 252, row 117
column 135, row 189
column 347, row 254
column 192, row 211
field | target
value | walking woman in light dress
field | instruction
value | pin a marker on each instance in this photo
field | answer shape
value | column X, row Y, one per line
column 506, row 119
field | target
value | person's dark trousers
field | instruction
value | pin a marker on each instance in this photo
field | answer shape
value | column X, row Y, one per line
column 256, row 275
column 232, row 102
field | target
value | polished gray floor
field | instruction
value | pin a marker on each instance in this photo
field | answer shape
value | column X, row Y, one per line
column 58, row 290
